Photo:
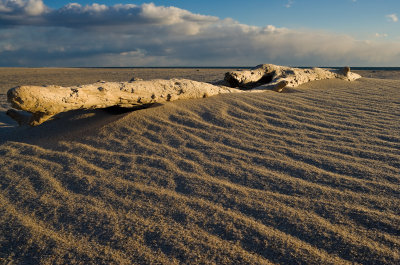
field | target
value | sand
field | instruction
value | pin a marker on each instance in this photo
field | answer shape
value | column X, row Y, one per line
column 306, row 177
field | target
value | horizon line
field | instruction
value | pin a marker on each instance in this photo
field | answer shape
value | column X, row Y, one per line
column 194, row 67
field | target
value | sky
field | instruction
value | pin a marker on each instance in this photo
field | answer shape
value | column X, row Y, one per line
column 44, row 33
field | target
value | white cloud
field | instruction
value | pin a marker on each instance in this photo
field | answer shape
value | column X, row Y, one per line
column 392, row 17
column 95, row 8
column 78, row 8
column 34, row 7
column 289, row 4
column 150, row 35
column 28, row 7
column 171, row 15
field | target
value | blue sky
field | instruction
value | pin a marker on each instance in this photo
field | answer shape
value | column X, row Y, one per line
column 203, row 33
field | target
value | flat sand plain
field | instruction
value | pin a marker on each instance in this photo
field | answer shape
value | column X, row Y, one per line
column 306, row 177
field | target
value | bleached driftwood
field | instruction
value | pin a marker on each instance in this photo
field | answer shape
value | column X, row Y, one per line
column 278, row 77
column 46, row 101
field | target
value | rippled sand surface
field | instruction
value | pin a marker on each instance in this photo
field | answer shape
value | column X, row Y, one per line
column 311, row 176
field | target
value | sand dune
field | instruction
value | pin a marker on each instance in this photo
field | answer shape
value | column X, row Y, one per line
column 306, row 177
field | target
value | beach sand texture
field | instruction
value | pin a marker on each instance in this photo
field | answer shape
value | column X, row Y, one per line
column 311, row 176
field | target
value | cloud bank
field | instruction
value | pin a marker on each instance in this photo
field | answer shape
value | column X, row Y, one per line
column 31, row 34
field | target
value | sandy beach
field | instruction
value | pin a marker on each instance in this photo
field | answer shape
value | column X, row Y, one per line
column 311, row 176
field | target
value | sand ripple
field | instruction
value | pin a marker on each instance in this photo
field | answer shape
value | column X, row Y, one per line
column 308, row 177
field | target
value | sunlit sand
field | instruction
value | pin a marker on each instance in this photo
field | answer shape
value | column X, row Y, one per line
column 309, row 176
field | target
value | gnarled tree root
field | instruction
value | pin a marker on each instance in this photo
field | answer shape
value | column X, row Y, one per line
column 277, row 77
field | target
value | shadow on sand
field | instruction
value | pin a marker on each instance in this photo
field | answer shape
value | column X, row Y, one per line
column 66, row 126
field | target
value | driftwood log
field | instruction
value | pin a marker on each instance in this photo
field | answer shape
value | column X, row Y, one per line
column 43, row 102
column 46, row 101
column 278, row 77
